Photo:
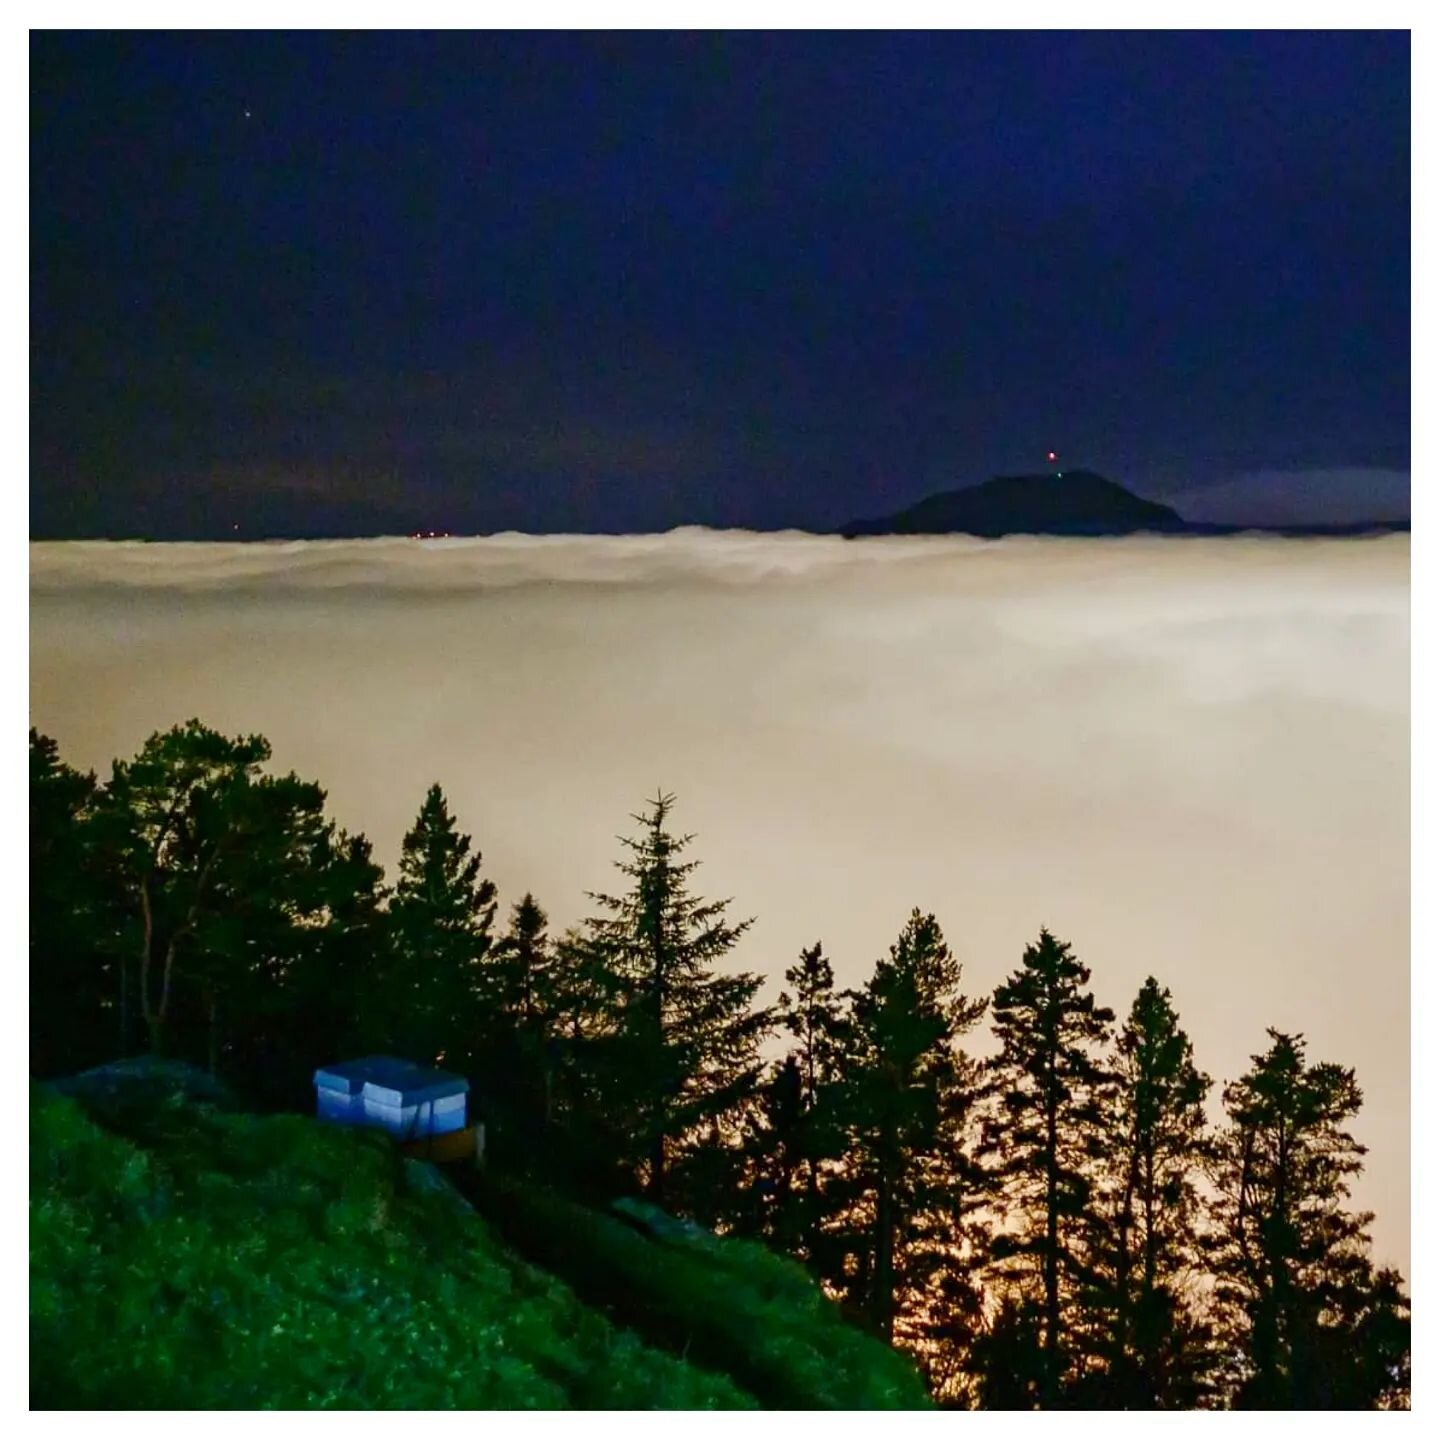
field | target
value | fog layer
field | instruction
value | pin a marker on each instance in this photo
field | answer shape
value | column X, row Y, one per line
column 1186, row 757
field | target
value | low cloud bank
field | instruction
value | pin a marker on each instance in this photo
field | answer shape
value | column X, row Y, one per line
column 1189, row 757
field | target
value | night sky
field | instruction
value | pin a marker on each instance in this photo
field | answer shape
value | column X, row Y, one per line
column 368, row 284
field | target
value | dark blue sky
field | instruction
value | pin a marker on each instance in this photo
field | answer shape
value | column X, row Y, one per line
column 352, row 284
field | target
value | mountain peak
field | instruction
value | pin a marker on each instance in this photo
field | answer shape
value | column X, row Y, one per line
column 1065, row 502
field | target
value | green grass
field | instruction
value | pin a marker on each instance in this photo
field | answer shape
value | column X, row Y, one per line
column 185, row 1256
column 732, row 1305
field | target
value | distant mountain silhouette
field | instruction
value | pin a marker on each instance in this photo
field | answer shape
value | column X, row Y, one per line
column 1072, row 502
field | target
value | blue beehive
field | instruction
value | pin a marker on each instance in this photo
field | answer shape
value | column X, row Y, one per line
column 410, row 1102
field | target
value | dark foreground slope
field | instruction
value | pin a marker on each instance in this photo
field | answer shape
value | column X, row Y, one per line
column 732, row 1305
column 184, row 1255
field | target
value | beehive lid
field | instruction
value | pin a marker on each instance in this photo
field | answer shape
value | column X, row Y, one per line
column 391, row 1080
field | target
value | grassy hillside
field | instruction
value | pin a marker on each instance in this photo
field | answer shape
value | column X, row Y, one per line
column 732, row 1305
column 185, row 1255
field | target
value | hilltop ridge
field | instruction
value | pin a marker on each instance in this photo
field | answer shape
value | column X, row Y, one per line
column 1066, row 502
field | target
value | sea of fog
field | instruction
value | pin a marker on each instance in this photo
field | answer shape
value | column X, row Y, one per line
column 1187, row 757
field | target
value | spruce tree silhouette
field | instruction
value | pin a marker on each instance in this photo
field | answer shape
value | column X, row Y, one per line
column 1155, row 1351
column 519, row 1054
column 689, row 1035
column 519, row 971
column 812, row 1012
column 1047, row 1136
column 1312, row 1325
column 441, row 915
column 909, row 1094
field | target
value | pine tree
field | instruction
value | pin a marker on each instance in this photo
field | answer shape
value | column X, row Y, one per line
column 1363, row 1361
column 174, row 824
column 1313, row 1324
column 226, row 884
column 441, row 914
column 909, row 1093
column 1048, row 1136
column 684, row 1053
column 1154, row 1347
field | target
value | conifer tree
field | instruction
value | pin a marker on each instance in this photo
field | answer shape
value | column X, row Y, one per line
column 226, row 880
column 520, row 968
column 441, row 914
column 909, row 1093
column 175, row 823
column 589, row 1144
column 1153, row 1346
column 71, row 975
column 685, row 1036
column 525, row 1013
column 1363, row 1361
column 311, row 971
column 804, row 1100
column 768, row 1200
column 1312, row 1323
column 1007, row 1357
column 1048, row 1136
column 260, row 940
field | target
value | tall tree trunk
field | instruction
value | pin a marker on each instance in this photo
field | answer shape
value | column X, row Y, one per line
column 1150, row 1339
column 1125, row 1307
column 124, row 1006
column 656, row 1186
column 147, row 942
column 1051, row 1391
column 883, row 1297
column 1280, row 1278
column 812, row 1186
column 1151, row 1274
column 214, row 1045
column 157, row 1016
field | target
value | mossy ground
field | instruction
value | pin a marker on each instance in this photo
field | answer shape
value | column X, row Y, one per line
column 185, row 1254
column 730, row 1304
column 186, row 1257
